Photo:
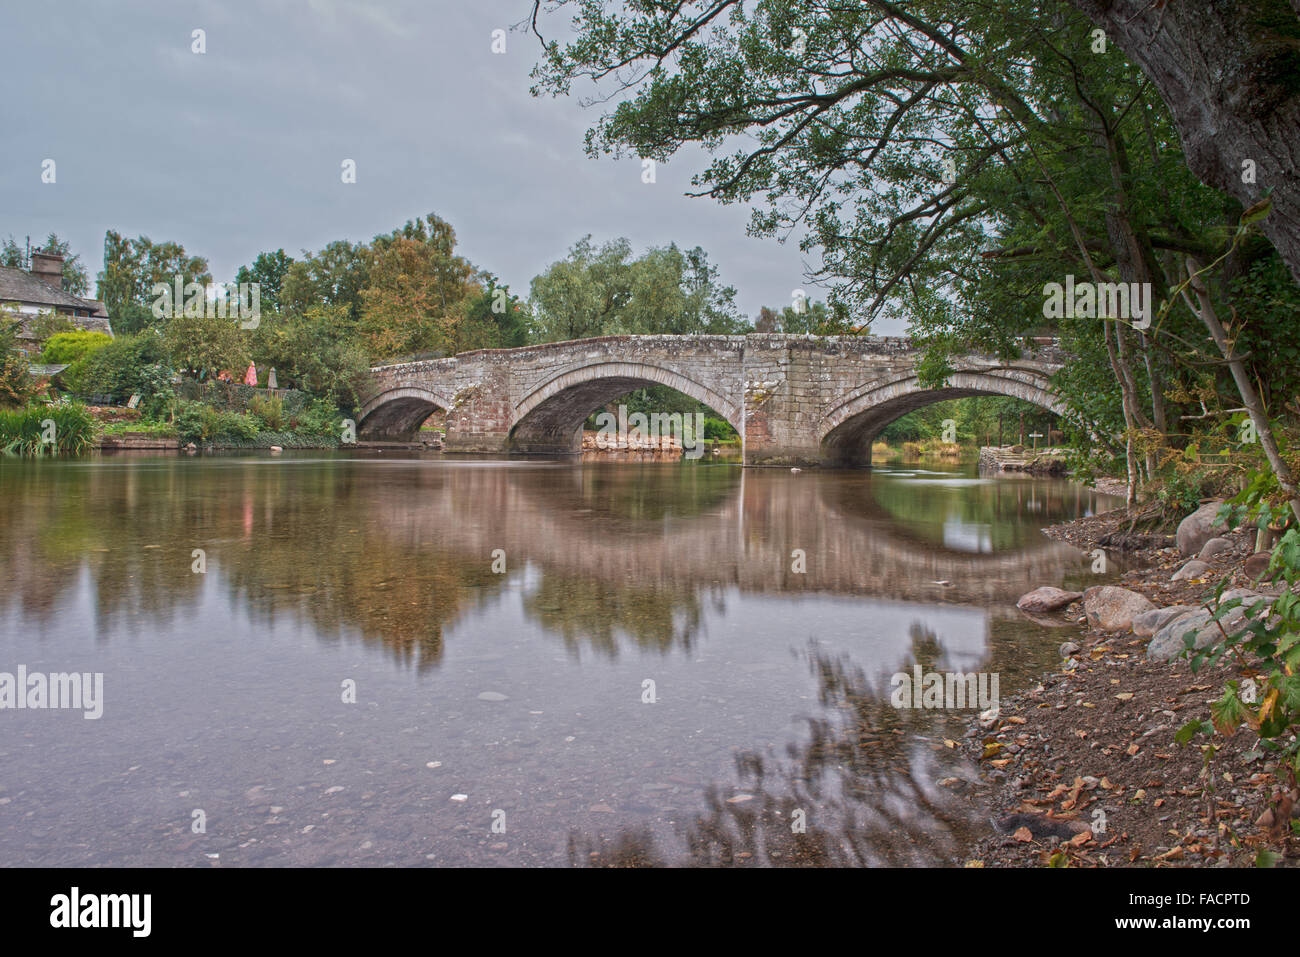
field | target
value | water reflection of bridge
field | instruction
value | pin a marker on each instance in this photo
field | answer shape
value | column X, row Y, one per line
column 401, row 550
column 745, row 535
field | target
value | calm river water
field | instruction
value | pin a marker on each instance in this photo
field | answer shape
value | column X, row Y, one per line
column 323, row 659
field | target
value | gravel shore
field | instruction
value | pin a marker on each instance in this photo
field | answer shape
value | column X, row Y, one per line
column 1083, row 770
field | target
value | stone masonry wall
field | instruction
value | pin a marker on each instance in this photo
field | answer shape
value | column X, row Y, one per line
column 794, row 399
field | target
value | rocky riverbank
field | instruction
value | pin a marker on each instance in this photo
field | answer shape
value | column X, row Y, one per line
column 1083, row 770
column 1016, row 458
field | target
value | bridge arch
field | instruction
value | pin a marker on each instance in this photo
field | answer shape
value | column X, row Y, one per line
column 396, row 414
column 549, row 419
column 849, row 429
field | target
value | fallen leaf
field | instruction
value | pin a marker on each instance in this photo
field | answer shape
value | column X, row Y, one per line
column 1023, row 835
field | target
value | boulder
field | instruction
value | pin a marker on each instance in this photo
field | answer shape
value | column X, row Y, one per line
column 1198, row 528
column 1213, row 547
column 1148, row 623
column 1248, row 596
column 1047, row 598
column 1168, row 641
column 1111, row 608
column 1193, row 569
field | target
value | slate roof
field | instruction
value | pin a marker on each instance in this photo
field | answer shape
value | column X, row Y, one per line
column 16, row 285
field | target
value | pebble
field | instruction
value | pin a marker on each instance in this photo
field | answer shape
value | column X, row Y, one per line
column 492, row 696
column 433, row 764
column 460, row 797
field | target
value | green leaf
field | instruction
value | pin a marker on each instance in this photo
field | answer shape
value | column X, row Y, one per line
column 1188, row 731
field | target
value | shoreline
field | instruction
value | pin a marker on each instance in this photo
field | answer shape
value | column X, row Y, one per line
column 1081, row 769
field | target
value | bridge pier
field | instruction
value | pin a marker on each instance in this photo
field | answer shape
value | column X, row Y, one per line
column 480, row 412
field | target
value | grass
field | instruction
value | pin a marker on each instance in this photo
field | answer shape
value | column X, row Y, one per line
column 61, row 428
column 138, row 427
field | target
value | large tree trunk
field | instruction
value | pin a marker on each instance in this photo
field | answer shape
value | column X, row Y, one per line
column 1227, row 70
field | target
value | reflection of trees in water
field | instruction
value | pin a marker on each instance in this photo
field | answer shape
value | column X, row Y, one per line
column 300, row 542
column 282, row 544
column 920, row 509
column 397, row 554
column 60, row 523
column 654, row 492
column 863, row 777
column 629, row 848
column 599, row 614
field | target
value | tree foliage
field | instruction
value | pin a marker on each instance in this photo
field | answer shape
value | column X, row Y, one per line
column 602, row 290
column 131, row 269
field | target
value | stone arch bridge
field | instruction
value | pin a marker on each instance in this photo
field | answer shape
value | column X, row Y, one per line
column 795, row 400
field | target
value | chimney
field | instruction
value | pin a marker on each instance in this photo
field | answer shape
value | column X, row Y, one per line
column 48, row 267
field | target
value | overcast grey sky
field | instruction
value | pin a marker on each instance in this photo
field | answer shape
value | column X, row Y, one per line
column 238, row 150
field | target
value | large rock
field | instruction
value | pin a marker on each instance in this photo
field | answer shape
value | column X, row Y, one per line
column 1168, row 641
column 1047, row 598
column 1148, row 623
column 1214, row 547
column 1198, row 528
column 1111, row 608
column 1193, row 569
